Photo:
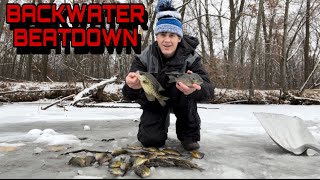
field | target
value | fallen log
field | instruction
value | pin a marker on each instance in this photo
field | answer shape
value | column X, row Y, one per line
column 34, row 91
column 91, row 90
column 75, row 103
column 34, row 95
column 301, row 100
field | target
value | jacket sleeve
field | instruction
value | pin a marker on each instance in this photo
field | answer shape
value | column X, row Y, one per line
column 129, row 93
column 207, row 87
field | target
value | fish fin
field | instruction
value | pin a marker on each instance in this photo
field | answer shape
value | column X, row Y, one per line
column 161, row 88
column 165, row 98
column 150, row 97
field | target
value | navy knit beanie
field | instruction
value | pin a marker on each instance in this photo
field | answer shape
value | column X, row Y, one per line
column 168, row 18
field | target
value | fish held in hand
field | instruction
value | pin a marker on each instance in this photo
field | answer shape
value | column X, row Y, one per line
column 151, row 87
column 185, row 78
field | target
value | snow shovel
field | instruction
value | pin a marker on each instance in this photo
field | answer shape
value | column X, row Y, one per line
column 289, row 133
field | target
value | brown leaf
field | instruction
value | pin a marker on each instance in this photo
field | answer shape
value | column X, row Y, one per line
column 7, row 148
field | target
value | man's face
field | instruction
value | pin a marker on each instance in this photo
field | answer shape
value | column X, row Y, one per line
column 168, row 43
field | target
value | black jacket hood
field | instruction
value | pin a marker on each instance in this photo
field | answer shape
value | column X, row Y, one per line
column 189, row 43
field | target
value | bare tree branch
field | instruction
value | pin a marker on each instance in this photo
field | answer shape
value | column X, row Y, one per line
column 311, row 74
column 183, row 4
column 59, row 101
column 79, row 72
column 205, row 15
column 295, row 52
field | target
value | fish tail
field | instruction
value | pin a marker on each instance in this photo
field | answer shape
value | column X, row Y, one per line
column 200, row 169
column 162, row 100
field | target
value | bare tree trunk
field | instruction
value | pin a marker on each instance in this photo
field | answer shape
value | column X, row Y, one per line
column 19, row 71
column 259, row 74
column 92, row 62
column 221, row 32
column 254, row 52
column 209, row 29
column 14, row 58
column 232, row 38
column 243, row 44
column 2, row 14
column 66, row 71
column 267, row 49
column 232, row 43
column 108, row 71
column 183, row 10
column 150, row 30
column 105, row 66
column 267, row 55
column 45, row 59
column 197, row 14
column 306, row 43
column 5, row 62
column 283, row 62
column 29, row 63
column 99, row 59
column 29, row 67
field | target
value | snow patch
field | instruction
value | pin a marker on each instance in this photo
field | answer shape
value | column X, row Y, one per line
column 53, row 138
column 86, row 177
column 11, row 145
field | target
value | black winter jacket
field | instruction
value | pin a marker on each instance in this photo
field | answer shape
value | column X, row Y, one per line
column 185, row 58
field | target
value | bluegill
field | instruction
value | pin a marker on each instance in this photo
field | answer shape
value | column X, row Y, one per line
column 185, row 78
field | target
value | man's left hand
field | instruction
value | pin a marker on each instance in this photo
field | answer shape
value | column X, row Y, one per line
column 187, row 90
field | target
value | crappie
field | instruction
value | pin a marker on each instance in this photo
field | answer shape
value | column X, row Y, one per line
column 77, row 161
column 151, row 87
column 117, row 152
column 139, row 161
column 135, row 147
column 151, row 149
column 186, row 164
column 116, row 172
column 171, row 152
column 142, row 171
column 185, row 78
column 157, row 162
column 197, row 154
column 82, row 161
column 115, row 164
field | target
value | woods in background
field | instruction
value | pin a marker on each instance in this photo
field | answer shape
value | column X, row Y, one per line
column 245, row 44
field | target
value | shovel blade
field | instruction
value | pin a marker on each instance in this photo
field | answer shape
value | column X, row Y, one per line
column 289, row 132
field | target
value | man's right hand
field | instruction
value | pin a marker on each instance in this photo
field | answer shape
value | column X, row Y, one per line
column 132, row 81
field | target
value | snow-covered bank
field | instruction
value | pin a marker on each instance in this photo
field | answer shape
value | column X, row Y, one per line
column 34, row 91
